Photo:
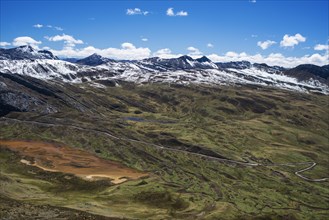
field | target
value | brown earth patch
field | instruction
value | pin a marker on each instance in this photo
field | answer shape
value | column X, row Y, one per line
column 59, row 158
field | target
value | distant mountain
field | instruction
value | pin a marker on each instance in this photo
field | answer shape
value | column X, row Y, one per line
column 265, row 67
column 234, row 65
column 203, row 59
column 25, row 52
column 71, row 60
column 94, row 60
column 309, row 71
column 181, row 63
column 241, row 65
column 182, row 70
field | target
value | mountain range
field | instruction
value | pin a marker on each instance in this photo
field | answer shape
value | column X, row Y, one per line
column 42, row 64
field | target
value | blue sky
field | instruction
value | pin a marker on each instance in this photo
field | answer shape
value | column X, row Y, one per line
column 139, row 29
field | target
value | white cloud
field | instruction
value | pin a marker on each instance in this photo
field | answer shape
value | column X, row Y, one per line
column 128, row 46
column 4, row 44
column 166, row 54
column 136, row 11
column 231, row 54
column 273, row 59
column 38, row 25
column 170, row 12
column 254, row 35
column 194, row 51
column 291, row 41
column 59, row 28
column 252, row 1
column 48, row 26
column 182, row 13
column 144, row 39
column 210, row 45
column 127, row 52
column 321, row 47
column 265, row 44
column 164, row 51
column 68, row 40
column 25, row 40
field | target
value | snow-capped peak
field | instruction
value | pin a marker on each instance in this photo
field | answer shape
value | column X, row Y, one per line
column 26, row 49
column 25, row 52
column 203, row 59
column 93, row 60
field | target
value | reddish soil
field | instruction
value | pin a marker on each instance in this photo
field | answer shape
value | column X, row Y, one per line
column 59, row 158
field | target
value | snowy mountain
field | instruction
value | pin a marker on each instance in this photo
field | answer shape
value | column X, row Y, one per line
column 180, row 63
column 25, row 53
column 235, row 65
column 93, row 60
column 308, row 71
column 182, row 70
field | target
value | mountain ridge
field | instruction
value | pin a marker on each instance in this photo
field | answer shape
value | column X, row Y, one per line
column 44, row 65
column 93, row 60
column 307, row 71
column 25, row 52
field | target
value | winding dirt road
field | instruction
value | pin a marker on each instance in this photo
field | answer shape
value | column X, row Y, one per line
column 311, row 164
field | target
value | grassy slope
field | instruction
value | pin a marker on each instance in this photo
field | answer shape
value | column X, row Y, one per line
column 262, row 125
